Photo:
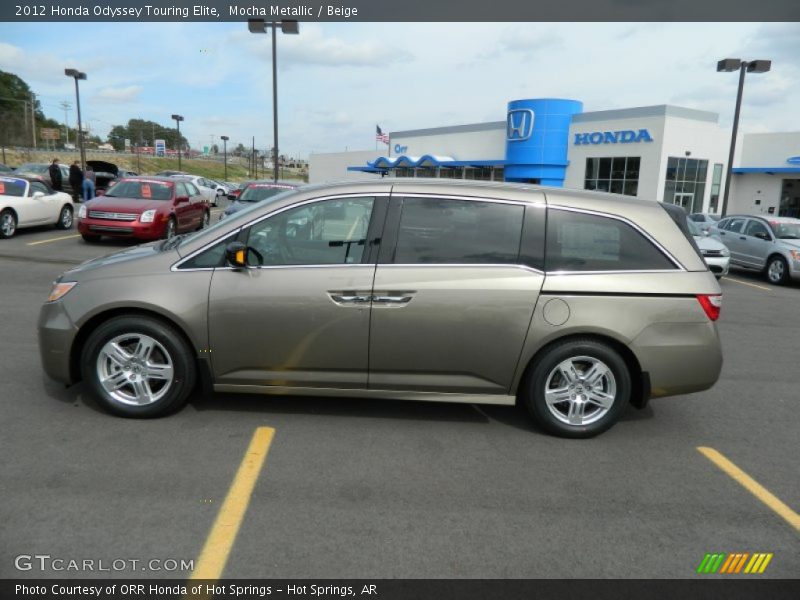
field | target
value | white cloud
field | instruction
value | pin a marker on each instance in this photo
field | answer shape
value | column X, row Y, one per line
column 120, row 95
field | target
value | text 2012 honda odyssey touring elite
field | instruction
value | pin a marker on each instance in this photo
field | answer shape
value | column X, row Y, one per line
column 575, row 304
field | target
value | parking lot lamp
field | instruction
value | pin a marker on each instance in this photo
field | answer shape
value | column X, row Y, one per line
column 260, row 26
column 225, row 139
column 178, row 119
column 76, row 75
column 728, row 65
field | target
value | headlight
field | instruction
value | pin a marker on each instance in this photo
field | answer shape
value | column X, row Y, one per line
column 60, row 290
column 795, row 254
column 148, row 216
column 82, row 212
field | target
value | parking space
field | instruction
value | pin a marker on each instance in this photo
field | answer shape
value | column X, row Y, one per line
column 382, row 489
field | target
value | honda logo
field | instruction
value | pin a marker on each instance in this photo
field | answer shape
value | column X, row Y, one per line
column 520, row 124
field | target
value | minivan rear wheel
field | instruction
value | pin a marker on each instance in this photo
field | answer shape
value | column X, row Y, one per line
column 577, row 389
column 138, row 367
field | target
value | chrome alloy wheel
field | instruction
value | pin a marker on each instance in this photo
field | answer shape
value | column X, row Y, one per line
column 134, row 369
column 8, row 224
column 580, row 390
column 66, row 218
column 775, row 273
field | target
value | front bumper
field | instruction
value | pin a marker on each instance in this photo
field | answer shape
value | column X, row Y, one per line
column 127, row 229
column 56, row 333
column 718, row 265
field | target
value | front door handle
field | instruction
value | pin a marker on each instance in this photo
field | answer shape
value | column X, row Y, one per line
column 741, row 237
column 350, row 298
column 391, row 299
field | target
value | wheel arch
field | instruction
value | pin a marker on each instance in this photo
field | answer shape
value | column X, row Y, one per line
column 640, row 380
column 95, row 321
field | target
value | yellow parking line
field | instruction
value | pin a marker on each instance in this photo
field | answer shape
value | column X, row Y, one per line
column 755, row 285
column 752, row 486
column 58, row 239
column 220, row 540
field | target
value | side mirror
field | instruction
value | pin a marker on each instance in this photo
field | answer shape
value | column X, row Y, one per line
column 181, row 199
column 38, row 195
column 236, row 254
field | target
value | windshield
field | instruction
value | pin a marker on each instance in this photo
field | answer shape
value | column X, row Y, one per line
column 694, row 228
column 786, row 231
column 239, row 217
column 32, row 168
column 141, row 190
column 257, row 192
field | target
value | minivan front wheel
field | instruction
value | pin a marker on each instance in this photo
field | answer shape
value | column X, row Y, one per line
column 578, row 389
column 138, row 367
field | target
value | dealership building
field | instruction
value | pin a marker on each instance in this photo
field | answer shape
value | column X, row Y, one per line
column 664, row 153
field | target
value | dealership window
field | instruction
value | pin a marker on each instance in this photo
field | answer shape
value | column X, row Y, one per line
column 716, row 180
column 498, row 174
column 685, row 183
column 444, row 231
column 583, row 242
column 618, row 174
column 428, row 172
column 479, row 173
column 790, row 198
column 403, row 172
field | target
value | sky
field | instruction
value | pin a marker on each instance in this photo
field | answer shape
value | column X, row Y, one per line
column 336, row 81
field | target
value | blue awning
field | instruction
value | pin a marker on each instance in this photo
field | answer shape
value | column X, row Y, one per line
column 769, row 170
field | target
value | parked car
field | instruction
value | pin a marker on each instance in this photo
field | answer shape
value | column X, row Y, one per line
column 145, row 208
column 106, row 174
column 220, row 188
column 573, row 303
column 209, row 193
column 715, row 253
column 767, row 244
column 254, row 191
column 42, row 171
column 705, row 220
column 30, row 201
column 170, row 173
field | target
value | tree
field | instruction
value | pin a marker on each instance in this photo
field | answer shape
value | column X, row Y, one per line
column 145, row 133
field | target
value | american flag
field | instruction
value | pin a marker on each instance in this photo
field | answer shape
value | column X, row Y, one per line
column 380, row 136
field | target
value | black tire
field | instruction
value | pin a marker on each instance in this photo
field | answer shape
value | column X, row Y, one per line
column 173, row 351
column 90, row 239
column 206, row 220
column 545, row 375
column 171, row 229
column 64, row 217
column 8, row 224
column 777, row 270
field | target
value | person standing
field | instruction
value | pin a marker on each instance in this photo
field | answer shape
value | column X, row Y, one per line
column 76, row 180
column 55, row 175
column 89, row 179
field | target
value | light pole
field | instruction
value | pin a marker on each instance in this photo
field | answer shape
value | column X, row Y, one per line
column 178, row 119
column 76, row 75
column 728, row 65
column 260, row 26
column 225, row 139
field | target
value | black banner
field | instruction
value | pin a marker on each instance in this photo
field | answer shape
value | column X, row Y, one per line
column 733, row 588
column 401, row 10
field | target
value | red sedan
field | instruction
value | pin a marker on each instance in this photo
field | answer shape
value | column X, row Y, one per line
column 145, row 208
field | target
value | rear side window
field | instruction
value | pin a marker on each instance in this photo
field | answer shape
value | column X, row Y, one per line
column 444, row 231
column 584, row 242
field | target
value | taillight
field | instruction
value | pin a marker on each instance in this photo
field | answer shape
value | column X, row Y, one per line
column 712, row 304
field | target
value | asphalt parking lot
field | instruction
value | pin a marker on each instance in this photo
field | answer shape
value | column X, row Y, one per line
column 353, row 488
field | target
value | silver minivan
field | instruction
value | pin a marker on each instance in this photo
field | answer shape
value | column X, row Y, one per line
column 574, row 304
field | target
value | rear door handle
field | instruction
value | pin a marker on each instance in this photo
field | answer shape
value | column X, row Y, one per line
column 350, row 298
column 741, row 237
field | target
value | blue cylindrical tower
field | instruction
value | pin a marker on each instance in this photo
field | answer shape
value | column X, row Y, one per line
column 537, row 139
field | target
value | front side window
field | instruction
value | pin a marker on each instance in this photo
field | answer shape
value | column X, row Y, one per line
column 583, row 242
column 38, row 186
column 327, row 232
column 444, row 231
column 755, row 228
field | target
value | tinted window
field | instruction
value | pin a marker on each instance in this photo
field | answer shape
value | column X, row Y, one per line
column 581, row 242
column 322, row 233
column 38, row 186
column 734, row 225
column 755, row 227
column 210, row 258
column 440, row 231
column 180, row 189
column 697, row 218
column 190, row 187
